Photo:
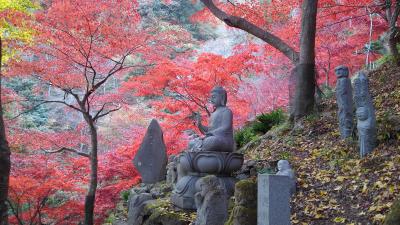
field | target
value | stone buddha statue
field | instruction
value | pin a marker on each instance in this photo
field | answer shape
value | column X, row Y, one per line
column 219, row 133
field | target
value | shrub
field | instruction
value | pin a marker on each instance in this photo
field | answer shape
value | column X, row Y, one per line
column 261, row 125
column 266, row 121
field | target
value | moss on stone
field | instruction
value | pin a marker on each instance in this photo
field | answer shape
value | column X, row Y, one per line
column 242, row 216
column 246, row 193
column 393, row 217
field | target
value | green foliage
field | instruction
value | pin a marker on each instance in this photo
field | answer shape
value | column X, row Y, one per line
column 35, row 119
column 327, row 91
column 385, row 59
column 110, row 219
column 266, row 121
column 244, row 136
column 125, row 195
column 260, row 126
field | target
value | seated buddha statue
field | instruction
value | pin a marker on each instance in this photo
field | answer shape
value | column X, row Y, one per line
column 219, row 133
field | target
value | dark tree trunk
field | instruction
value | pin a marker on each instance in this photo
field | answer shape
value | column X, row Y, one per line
column 5, row 163
column 91, row 194
column 304, row 99
column 393, row 35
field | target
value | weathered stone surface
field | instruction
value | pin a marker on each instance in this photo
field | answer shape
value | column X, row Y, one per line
column 172, row 170
column 137, row 203
column 273, row 201
column 219, row 134
column 344, row 99
column 151, row 159
column 366, row 121
column 245, row 210
column 284, row 169
column 208, row 155
column 199, row 164
column 211, row 202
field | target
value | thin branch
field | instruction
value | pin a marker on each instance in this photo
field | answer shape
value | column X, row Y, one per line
column 106, row 113
column 69, row 150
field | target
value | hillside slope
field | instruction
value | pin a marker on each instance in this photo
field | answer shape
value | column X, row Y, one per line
column 335, row 186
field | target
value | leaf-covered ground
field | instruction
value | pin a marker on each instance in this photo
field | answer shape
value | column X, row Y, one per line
column 335, row 186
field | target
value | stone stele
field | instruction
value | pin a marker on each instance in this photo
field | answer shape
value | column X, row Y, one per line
column 344, row 99
column 151, row 159
column 273, row 201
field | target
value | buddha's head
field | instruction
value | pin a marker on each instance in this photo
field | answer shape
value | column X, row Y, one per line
column 218, row 96
column 342, row 71
column 283, row 165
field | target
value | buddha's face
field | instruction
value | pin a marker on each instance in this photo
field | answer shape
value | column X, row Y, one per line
column 283, row 165
column 217, row 99
column 342, row 72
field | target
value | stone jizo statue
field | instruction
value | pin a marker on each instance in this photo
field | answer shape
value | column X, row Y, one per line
column 172, row 173
column 211, row 202
column 219, row 133
column 366, row 121
column 284, row 169
column 344, row 99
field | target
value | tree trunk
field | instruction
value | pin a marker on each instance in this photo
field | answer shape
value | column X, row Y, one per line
column 305, row 70
column 91, row 195
column 5, row 163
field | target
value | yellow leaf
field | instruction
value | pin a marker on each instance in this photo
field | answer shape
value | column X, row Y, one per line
column 340, row 178
column 380, row 185
column 378, row 217
column 339, row 220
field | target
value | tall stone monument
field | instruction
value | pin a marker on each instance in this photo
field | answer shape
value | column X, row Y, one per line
column 151, row 158
column 273, row 201
column 211, row 154
column 344, row 99
column 366, row 121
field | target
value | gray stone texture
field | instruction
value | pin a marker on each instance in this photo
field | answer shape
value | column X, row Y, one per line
column 172, row 171
column 344, row 99
column 273, row 206
column 209, row 155
column 245, row 210
column 137, row 202
column 151, row 158
column 211, row 202
column 284, row 169
column 366, row 120
column 219, row 133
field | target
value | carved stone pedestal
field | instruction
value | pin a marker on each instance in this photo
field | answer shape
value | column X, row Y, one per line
column 195, row 165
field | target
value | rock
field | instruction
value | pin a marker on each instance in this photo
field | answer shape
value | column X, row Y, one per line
column 151, row 159
column 344, row 99
column 137, row 202
column 211, row 202
column 393, row 217
column 245, row 209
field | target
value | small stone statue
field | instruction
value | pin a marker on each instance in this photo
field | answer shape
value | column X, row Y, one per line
column 284, row 169
column 344, row 99
column 219, row 134
column 172, row 173
column 211, row 202
column 366, row 121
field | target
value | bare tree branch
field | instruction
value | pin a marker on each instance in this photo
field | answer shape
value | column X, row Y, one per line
column 69, row 150
column 253, row 29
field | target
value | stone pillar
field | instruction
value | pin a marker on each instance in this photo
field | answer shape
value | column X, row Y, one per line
column 344, row 99
column 273, row 200
column 366, row 121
